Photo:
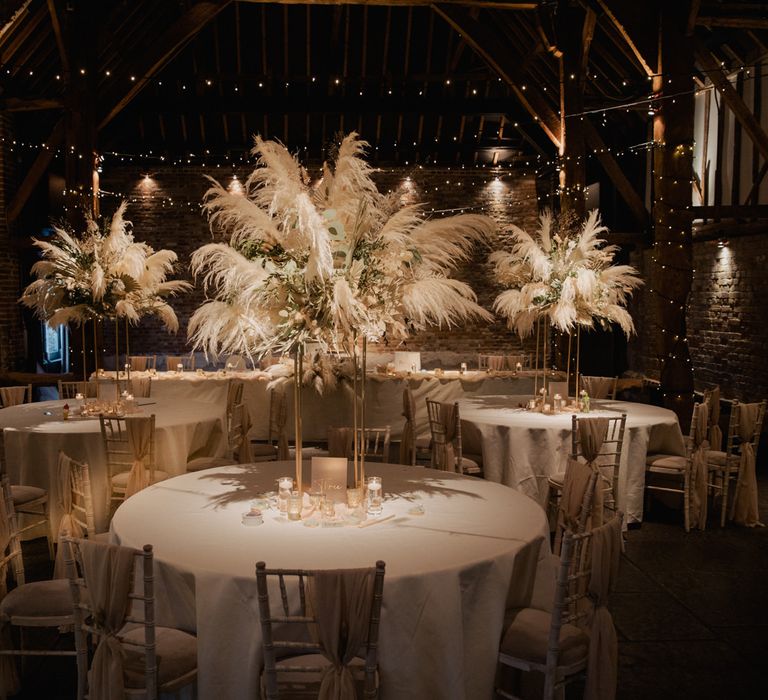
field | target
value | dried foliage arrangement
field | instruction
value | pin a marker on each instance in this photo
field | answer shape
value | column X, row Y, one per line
column 326, row 262
column 563, row 274
column 102, row 274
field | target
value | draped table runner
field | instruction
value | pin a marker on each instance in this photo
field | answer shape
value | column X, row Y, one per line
column 384, row 395
column 521, row 449
column 450, row 572
column 35, row 432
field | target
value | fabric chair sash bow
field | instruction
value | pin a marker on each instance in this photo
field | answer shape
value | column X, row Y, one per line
column 712, row 397
column 107, row 571
column 699, row 469
column 603, row 648
column 448, row 419
column 408, row 437
column 340, row 602
column 745, row 510
column 68, row 525
column 139, row 432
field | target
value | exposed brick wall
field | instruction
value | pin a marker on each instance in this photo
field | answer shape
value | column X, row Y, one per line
column 727, row 318
column 12, row 349
column 181, row 228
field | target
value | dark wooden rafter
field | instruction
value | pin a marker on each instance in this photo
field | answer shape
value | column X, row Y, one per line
column 693, row 14
column 623, row 186
column 626, row 36
column 57, row 33
column 587, row 34
column 17, row 39
column 36, row 171
column 30, row 104
column 733, row 22
column 492, row 48
column 14, row 21
column 741, row 111
column 494, row 4
column 174, row 38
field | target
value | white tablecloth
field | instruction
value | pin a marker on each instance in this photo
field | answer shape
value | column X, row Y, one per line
column 521, row 449
column 450, row 572
column 35, row 432
column 384, row 396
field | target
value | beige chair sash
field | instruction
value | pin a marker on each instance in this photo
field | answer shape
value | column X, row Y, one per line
column 244, row 454
column 108, row 574
column 745, row 509
column 408, row 437
column 575, row 483
column 9, row 677
column 139, row 433
column 699, row 471
column 603, row 647
column 141, row 387
column 597, row 387
column 712, row 397
column 592, row 434
column 339, row 442
column 340, row 601
column 278, row 415
column 448, row 420
column 139, row 363
column 68, row 526
column 496, row 362
column 12, row 395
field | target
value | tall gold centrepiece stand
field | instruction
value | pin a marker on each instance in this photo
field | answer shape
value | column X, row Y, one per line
column 298, row 371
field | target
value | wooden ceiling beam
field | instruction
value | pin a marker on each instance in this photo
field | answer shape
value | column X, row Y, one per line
column 164, row 49
column 623, row 186
column 626, row 36
column 36, row 171
column 494, row 4
column 28, row 29
column 749, row 123
column 587, row 34
column 57, row 33
column 30, row 104
column 13, row 23
column 693, row 14
column 489, row 45
column 733, row 22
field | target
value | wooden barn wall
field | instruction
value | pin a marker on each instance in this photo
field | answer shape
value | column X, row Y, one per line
column 721, row 118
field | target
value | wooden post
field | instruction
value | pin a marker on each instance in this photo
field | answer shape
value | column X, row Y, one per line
column 673, row 171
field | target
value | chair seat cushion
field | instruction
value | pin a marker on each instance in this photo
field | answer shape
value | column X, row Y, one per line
column 470, row 466
column 26, row 494
column 716, row 458
column 262, row 449
column 666, row 464
column 528, row 634
column 201, row 463
column 298, row 679
column 176, row 656
column 120, row 480
column 39, row 599
column 557, row 480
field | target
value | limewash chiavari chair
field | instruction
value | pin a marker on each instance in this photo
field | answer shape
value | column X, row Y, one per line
column 291, row 666
column 239, row 444
column 69, row 390
column 172, row 362
column 490, row 362
column 153, row 659
column 445, row 427
column 557, row 643
column 412, row 447
column 374, row 443
column 599, row 387
column 36, row 604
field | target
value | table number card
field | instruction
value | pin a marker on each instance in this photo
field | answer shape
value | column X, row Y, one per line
column 333, row 473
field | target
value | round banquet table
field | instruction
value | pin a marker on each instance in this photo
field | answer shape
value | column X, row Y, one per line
column 521, row 448
column 34, row 433
column 451, row 571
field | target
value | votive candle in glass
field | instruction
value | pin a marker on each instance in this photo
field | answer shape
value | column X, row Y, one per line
column 354, row 497
column 180, row 367
column 294, row 506
column 284, row 486
column 375, row 494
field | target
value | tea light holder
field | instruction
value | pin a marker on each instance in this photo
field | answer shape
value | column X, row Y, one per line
column 462, row 368
column 354, row 497
column 180, row 368
column 519, row 367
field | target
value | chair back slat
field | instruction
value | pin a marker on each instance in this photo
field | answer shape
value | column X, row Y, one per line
column 373, row 443
column 12, row 554
column 15, row 395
